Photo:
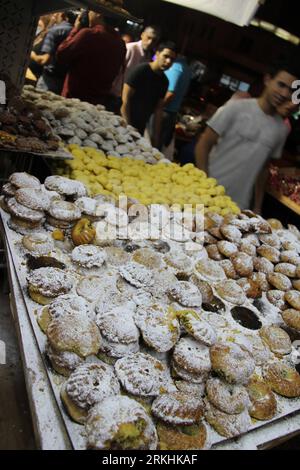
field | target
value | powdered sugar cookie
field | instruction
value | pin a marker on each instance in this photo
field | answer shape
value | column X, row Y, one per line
column 197, row 327
column 38, row 243
column 209, row 270
column 263, row 265
column 180, row 263
column 120, row 423
column 64, row 211
column 88, row 385
column 263, row 402
column 276, row 339
column 227, row 248
column 287, row 269
column 137, row 274
column 192, row 356
column 176, row 409
column 231, row 292
column 140, row 374
column 44, row 284
column 88, row 256
column 232, row 363
column 147, row 258
column 186, row 293
column 229, row 269
column 74, row 333
column 24, row 180
column 117, row 325
column 193, row 437
column 290, row 256
column 293, row 298
column 291, row 318
column 160, row 330
column 269, row 252
column 227, row 425
column 231, row 233
column 231, row 399
column 116, row 256
column 243, row 264
column 282, row 379
column 280, row 281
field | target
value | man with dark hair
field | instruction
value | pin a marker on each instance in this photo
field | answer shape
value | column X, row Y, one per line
column 144, row 91
column 243, row 135
column 136, row 53
column 93, row 57
column 53, row 75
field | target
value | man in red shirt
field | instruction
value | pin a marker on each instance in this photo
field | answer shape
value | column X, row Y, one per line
column 93, row 57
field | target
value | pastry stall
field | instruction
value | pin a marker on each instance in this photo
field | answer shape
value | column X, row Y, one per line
column 142, row 325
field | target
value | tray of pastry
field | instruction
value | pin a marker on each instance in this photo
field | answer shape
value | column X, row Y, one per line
column 207, row 359
column 113, row 8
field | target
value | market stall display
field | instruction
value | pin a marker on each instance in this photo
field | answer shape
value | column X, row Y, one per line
column 86, row 125
column 228, row 309
column 163, row 183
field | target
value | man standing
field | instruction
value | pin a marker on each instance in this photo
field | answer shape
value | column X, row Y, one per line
column 93, row 57
column 144, row 91
column 53, row 75
column 243, row 135
column 136, row 53
column 142, row 51
column 179, row 76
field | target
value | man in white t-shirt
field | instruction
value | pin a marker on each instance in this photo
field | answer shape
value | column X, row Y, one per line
column 243, row 135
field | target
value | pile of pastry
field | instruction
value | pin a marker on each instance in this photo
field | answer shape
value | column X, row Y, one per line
column 164, row 342
column 91, row 126
column 23, row 128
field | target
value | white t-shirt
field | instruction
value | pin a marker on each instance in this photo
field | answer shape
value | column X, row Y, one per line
column 248, row 138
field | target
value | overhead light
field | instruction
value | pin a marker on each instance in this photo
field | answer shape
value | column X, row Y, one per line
column 279, row 32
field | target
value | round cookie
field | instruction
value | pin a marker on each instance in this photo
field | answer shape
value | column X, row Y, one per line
column 276, row 339
column 197, row 327
column 210, row 271
column 143, row 375
column 282, row 379
column 231, row 399
column 88, row 385
column 34, row 199
column 65, row 187
column 44, row 284
column 74, row 333
column 64, row 211
column 186, row 293
column 263, row 402
column 182, row 437
column 24, row 180
column 24, row 213
column 120, row 423
column 227, row 425
column 177, row 409
column 232, row 363
column 192, row 357
column 291, row 317
column 231, row 292
column 88, row 256
column 293, row 298
column 38, row 243
column 63, row 362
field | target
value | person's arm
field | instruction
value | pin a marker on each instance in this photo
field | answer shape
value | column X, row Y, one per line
column 127, row 94
column 168, row 97
column 43, row 59
column 260, row 187
column 71, row 46
column 157, row 122
column 206, row 142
